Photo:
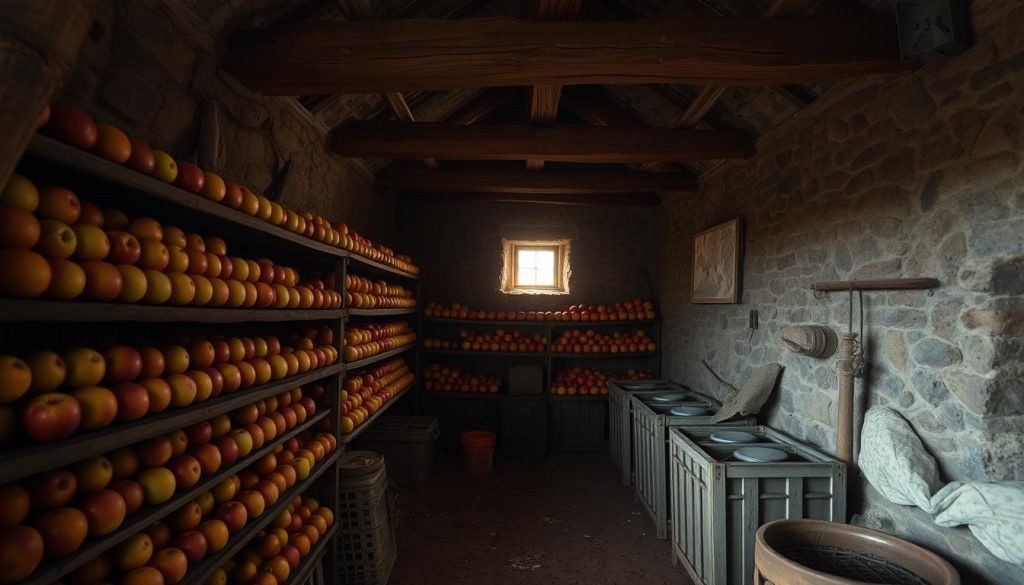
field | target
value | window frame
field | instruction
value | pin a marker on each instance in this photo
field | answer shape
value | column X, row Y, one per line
column 510, row 270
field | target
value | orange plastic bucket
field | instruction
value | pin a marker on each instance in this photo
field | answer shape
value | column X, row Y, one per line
column 477, row 451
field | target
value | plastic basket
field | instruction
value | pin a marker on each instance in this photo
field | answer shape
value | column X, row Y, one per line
column 366, row 557
column 362, row 503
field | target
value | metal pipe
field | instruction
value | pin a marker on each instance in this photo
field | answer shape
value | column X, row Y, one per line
column 845, row 370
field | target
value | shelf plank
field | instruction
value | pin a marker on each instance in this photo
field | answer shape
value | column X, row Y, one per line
column 308, row 564
column 53, row 570
column 542, row 323
column 604, row 355
column 488, row 353
column 361, row 263
column 17, row 462
column 201, row 572
column 346, row 439
column 380, row 312
column 86, row 163
column 379, row 357
column 470, row 395
column 579, row 397
column 20, row 310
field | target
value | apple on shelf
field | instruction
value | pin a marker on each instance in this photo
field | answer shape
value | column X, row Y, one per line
column 66, row 249
column 592, row 381
column 590, row 341
column 364, row 393
column 631, row 310
column 363, row 293
column 56, row 395
column 357, row 244
column 499, row 340
column 363, row 341
column 440, row 378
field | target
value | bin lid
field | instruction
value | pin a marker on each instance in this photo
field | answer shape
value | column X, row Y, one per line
column 360, row 463
column 408, row 429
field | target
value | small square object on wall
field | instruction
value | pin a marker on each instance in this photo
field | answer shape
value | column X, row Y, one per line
column 716, row 264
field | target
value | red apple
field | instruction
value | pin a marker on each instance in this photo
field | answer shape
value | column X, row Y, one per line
column 186, row 470
column 216, row 381
column 63, row 531
column 73, row 126
column 209, row 457
column 172, row 564
column 141, row 158
column 132, row 493
column 53, row 489
column 21, row 551
column 99, row 407
column 190, row 177
column 124, row 248
column 228, row 449
column 133, row 401
column 192, row 543
column 200, row 432
column 124, row 364
column 233, row 514
column 156, row 451
column 51, row 417
column 105, row 510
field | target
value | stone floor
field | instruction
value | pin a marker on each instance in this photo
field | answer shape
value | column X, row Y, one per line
column 565, row 520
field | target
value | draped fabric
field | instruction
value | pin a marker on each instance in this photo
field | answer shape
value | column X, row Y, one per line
column 895, row 462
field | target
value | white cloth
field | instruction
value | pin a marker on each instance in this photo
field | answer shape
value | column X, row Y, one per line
column 893, row 459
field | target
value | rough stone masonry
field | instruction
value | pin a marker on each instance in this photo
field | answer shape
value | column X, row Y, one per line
column 913, row 176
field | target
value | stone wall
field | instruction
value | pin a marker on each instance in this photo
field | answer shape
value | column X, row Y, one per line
column 915, row 176
column 149, row 65
column 458, row 245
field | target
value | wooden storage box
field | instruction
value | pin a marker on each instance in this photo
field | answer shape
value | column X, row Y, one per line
column 718, row 503
column 578, row 423
column 620, row 434
column 649, row 426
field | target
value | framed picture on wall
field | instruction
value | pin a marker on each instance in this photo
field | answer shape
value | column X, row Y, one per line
column 716, row 264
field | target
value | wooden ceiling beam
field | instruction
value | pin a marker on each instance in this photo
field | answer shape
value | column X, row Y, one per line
column 362, row 10
column 544, row 98
column 558, row 182
column 710, row 95
column 588, row 144
column 406, row 55
column 640, row 199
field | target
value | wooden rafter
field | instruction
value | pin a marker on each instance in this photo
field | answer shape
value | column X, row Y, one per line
column 420, row 180
column 387, row 56
column 709, row 96
column 588, row 144
column 482, row 106
column 362, row 10
column 544, row 98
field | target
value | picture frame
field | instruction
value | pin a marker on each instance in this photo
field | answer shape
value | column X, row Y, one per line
column 715, row 274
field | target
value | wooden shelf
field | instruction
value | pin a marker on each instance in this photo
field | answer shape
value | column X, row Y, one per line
column 579, row 397
column 308, row 564
column 381, row 312
column 85, row 163
column 363, row 264
column 470, row 395
column 379, row 357
column 17, row 462
column 346, row 439
column 489, row 353
column 19, row 310
column 53, row 570
column 541, row 323
column 201, row 572
column 604, row 355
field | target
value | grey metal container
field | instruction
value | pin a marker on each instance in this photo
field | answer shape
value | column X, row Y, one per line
column 650, row 425
column 620, row 434
column 718, row 503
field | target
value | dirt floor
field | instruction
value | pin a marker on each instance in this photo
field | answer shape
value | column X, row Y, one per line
column 564, row 520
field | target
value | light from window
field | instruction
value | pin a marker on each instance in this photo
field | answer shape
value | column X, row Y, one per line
column 535, row 267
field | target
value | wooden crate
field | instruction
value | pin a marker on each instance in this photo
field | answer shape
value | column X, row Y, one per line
column 620, row 420
column 718, row 503
column 649, row 427
column 578, row 423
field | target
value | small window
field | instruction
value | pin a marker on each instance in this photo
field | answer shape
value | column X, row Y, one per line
column 532, row 267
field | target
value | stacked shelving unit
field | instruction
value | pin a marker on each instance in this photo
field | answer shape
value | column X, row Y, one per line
column 24, row 322
column 578, row 422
